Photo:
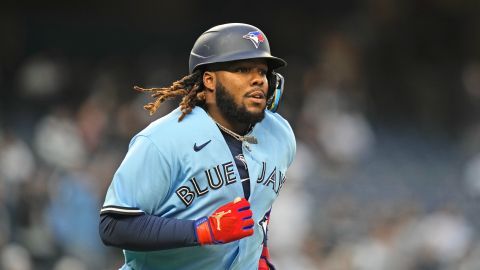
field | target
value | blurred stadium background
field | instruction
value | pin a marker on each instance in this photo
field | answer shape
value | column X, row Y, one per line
column 384, row 97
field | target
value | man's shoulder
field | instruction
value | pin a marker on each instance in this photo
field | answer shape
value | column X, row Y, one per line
column 274, row 115
column 275, row 125
column 162, row 124
column 280, row 132
column 276, row 122
column 169, row 128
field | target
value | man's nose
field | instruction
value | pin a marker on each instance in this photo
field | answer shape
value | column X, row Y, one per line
column 258, row 78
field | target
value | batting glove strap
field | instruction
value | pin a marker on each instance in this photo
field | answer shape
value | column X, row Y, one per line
column 203, row 231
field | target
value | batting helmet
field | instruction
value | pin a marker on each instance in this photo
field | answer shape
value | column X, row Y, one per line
column 230, row 42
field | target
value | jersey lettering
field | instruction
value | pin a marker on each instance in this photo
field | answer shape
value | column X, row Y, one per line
column 219, row 177
column 284, row 178
column 224, row 175
column 272, row 178
column 262, row 175
column 186, row 195
column 199, row 191
column 229, row 173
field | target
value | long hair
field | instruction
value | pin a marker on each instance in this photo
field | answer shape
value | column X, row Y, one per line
column 190, row 87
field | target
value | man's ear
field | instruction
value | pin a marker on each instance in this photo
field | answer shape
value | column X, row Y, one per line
column 209, row 80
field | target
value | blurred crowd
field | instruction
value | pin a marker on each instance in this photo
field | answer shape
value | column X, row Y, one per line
column 385, row 108
column 364, row 194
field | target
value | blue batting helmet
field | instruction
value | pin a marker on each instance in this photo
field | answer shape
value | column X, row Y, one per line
column 230, row 42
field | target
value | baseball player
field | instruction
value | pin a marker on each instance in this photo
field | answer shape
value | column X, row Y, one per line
column 196, row 186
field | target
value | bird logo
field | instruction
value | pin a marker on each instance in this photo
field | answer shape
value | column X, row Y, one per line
column 256, row 37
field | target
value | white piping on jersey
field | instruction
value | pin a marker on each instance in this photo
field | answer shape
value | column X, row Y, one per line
column 121, row 210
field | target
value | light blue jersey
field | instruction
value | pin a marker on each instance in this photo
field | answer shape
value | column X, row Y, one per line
column 185, row 170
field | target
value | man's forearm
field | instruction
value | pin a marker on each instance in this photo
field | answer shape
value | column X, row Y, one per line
column 146, row 232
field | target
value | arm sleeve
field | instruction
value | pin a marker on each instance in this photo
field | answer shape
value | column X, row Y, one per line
column 146, row 232
column 292, row 145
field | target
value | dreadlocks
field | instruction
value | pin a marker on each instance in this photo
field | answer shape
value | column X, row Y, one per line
column 190, row 87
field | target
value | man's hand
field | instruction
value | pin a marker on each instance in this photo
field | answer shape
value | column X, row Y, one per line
column 230, row 222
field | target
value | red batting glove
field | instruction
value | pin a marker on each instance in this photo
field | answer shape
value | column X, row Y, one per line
column 230, row 222
column 264, row 262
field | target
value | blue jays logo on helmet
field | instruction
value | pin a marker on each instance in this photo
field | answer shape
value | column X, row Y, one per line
column 256, row 37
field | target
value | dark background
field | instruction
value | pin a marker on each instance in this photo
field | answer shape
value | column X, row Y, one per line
column 383, row 96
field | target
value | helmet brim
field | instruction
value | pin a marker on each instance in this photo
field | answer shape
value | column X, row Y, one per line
column 272, row 61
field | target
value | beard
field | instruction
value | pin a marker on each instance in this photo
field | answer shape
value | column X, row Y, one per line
column 233, row 111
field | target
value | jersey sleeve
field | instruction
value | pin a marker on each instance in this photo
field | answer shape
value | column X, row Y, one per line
column 288, row 137
column 142, row 180
column 284, row 131
column 292, row 145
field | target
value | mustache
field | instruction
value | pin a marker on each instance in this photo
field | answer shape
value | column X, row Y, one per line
column 257, row 92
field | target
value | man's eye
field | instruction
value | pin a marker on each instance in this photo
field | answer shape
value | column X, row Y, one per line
column 243, row 69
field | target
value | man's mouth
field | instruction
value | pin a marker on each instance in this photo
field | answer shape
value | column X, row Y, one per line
column 256, row 94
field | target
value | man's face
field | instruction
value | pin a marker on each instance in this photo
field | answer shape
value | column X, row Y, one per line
column 241, row 91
